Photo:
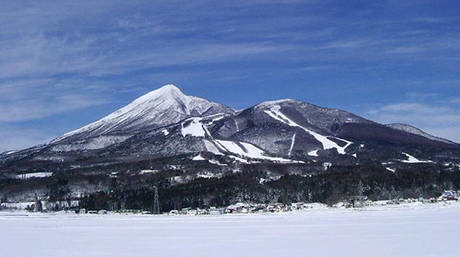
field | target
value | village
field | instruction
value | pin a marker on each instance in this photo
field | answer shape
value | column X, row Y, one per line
column 354, row 202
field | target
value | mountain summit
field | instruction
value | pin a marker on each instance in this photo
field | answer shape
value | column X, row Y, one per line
column 155, row 109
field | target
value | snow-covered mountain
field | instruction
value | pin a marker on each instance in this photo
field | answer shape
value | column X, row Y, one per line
column 166, row 123
column 158, row 108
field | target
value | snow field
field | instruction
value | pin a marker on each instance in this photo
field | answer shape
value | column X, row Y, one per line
column 412, row 159
column 427, row 230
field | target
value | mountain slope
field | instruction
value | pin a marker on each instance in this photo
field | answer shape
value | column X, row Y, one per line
column 158, row 108
column 416, row 131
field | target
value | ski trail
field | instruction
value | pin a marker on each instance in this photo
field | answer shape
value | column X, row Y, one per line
column 236, row 124
column 276, row 114
column 292, row 144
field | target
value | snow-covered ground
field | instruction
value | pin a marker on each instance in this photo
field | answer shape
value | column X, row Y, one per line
column 34, row 175
column 405, row 230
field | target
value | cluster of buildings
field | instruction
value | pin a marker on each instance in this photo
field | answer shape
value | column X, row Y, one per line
column 235, row 208
column 356, row 202
column 239, row 208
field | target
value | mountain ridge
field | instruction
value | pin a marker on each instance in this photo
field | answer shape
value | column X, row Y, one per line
column 286, row 128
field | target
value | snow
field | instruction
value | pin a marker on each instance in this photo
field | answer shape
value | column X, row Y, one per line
column 416, row 131
column 195, row 128
column 90, row 144
column 275, row 113
column 11, row 152
column 276, row 102
column 208, row 175
column 217, row 116
column 292, row 144
column 34, row 175
column 390, row 169
column 238, row 159
column 249, row 151
column 313, row 153
column 412, row 159
column 164, row 106
column 240, row 150
column 409, row 231
column 142, row 172
column 236, row 125
column 198, row 158
column 211, row 147
column 215, row 162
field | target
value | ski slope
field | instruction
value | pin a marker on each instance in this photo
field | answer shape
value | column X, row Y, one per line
column 427, row 230
column 275, row 113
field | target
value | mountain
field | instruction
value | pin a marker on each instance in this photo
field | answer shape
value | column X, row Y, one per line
column 174, row 140
column 416, row 131
column 158, row 108
column 166, row 122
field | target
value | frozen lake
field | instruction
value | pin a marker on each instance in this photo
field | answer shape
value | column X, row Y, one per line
column 428, row 230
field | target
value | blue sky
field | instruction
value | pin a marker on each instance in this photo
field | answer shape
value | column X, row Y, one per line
column 64, row 64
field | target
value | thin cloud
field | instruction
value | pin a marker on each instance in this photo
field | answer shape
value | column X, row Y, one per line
column 455, row 100
column 443, row 121
column 14, row 138
column 31, row 109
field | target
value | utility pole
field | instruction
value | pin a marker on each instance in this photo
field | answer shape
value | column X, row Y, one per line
column 361, row 193
column 156, row 203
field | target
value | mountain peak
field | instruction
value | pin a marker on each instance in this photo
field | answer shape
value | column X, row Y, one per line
column 160, row 107
column 276, row 102
column 169, row 88
column 163, row 93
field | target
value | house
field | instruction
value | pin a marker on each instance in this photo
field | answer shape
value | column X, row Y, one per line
column 258, row 208
column 275, row 207
column 244, row 210
column 202, row 211
column 184, row 211
column 297, row 206
column 236, row 208
column 174, row 212
column 449, row 196
column 192, row 212
column 216, row 211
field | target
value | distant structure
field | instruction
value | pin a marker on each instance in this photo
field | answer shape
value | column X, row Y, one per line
column 359, row 199
column 156, row 203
